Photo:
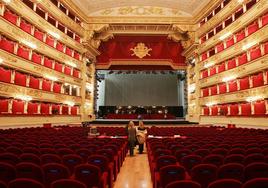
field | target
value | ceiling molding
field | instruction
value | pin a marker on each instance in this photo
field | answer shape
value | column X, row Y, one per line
column 75, row 9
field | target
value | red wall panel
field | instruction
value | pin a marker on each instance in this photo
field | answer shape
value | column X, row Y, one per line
column 20, row 79
column 18, row 107
column 5, row 75
column 34, row 82
column 10, row 16
column 3, row 106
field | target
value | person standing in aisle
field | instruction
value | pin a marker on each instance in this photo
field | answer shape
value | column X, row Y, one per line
column 141, row 136
column 131, row 137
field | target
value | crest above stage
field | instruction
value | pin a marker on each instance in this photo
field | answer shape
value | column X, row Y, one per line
column 140, row 52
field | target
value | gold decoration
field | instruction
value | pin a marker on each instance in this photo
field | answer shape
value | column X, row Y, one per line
column 141, row 50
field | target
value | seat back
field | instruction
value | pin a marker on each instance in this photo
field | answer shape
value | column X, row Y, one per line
column 256, row 183
column 99, row 161
column 214, row 159
column 256, row 170
column 25, row 183
column 55, row 171
column 231, row 171
column 234, row 158
column 30, row 157
column 204, row 174
column 89, row 174
column 190, row 161
column 7, row 172
column 171, row 173
column 50, row 158
column 225, row 183
column 68, row 183
column 71, row 161
column 165, row 161
column 183, row 184
column 29, row 170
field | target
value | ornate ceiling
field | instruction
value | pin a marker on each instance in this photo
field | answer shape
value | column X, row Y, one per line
column 168, row 8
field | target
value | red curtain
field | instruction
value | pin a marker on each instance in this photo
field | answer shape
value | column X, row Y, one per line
column 36, row 58
column 240, row 35
column 214, row 111
column 253, row 27
column 244, row 83
column 57, row 88
column 246, row 109
column 77, row 38
column 23, row 52
column 50, row 41
column 67, row 70
column 259, row 108
column 65, row 110
column 74, row 110
column 221, row 67
column 206, row 111
column 205, row 92
column 266, row 48
column 34, row 82
column 18, row 107
column 38, row 34
column 58, row 66
column 232, row 86
column 55, row 109
column 3, row 106
column 234, row 110
column 255, row 53
column 223, row 110
column 76, row 73
column 20, row 79
column 10, row 16
column 7, row 45
column 5, row 75
column 220, row 47
column 222, row 88
column 242, row 59
column 231, row 64
column 258, row 80
column 76, row 55
column 204, row 74
column 68, row 51
column 25, row 26
column 44, row 109
column 48, row 62
column 32, row 108
column 46, row 85
column 230, row 42
column 59, row 46
column 213, row 90
column 212, row 71
column 119, row 48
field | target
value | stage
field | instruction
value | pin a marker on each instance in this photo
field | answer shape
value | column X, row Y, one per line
column 178, row 121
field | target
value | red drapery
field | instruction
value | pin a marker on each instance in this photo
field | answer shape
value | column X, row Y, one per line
column 119, row 48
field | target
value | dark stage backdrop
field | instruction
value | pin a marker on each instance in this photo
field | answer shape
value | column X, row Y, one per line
column 141, row 90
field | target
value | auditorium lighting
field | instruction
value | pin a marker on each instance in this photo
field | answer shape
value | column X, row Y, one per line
column 53, row 78
column 254, row 98
column 24, row 97
column 209, row 64
column 56, row 35
column 70, row 103
column 211, row 103
column 229, row 78
column 1, row 60
column 224, row 36
column 29, row 44
column 249, row 45
column 71, row 64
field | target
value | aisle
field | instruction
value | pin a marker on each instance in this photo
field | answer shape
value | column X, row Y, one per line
column 135, row 172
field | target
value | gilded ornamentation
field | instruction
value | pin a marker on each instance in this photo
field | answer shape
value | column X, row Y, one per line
column 141, row 50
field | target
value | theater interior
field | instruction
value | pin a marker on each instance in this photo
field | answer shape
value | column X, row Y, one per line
column 74, row 73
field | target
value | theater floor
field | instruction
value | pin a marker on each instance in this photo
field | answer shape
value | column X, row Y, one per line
column 135, row 172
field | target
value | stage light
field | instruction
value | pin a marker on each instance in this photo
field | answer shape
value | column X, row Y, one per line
column 29, row 44
column 226, row 35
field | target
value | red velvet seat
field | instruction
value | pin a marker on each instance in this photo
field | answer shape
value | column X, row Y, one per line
column 256, row 183
column 9, row 158
column 183, row 184
column 214, row 159
column 224, row 183
column 54, row 171
column 234, row 158
column 67, row 183
column 30, row 157
column 204, row 174
column 13, row 149
column 182, row 153
column 29, row 170
column 231, row 171
column 50, row 158
column 84, row 153
column 7, row 172
column 25, row 183
column 256, row 170
column 190, row 161
column 171, row 173
column 90, row 175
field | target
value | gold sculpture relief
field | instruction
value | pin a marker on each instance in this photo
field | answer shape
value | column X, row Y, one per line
column 141, row 50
